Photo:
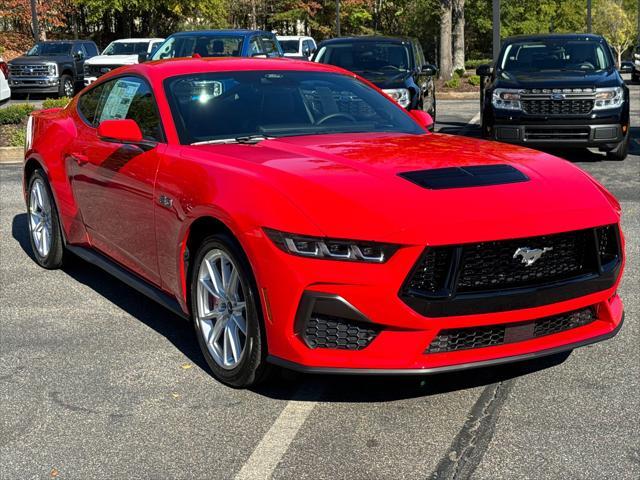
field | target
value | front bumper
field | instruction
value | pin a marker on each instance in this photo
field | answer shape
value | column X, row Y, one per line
column 34, row 84
column 403, row 335
column 559, row 134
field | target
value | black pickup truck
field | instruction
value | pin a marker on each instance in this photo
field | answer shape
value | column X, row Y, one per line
column 556, row 91
column 51, row 67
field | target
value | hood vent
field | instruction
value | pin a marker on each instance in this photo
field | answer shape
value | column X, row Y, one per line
column 462, row 177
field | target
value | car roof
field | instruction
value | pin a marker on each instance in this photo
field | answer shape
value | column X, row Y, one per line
column 136, row 40
column 553, row 36
column 213, row 33
column 293, row 37
column 162, row 69
column 368, row 38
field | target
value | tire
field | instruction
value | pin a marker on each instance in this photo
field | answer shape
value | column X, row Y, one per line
column 45, row 234
column 238, row 369
column 67, row 87
column 621, row 151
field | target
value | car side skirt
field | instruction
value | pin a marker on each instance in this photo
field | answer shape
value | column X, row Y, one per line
column 445, row 369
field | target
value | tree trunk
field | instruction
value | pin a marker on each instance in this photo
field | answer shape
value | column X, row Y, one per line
column 458, row 34
column 254, row 20
column 445, row 40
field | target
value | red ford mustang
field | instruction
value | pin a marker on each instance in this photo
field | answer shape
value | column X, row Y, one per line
column 299, row 217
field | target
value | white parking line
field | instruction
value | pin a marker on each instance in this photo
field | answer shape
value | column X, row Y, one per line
column 268, row 453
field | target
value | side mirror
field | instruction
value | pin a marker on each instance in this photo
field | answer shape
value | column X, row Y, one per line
column 78, row 56
column 484, row 70
column 422, row 118
column 430, row 70
column 123, row 131
column 626, row 67
column 143, row 57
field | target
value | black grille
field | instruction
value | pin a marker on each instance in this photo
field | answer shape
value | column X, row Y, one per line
column 478, row 337
column 555, row 133
column 607, row 244
column 431, row 273
column 98, row 70
column 557, row 107
column 499, row 265
column 324, row 331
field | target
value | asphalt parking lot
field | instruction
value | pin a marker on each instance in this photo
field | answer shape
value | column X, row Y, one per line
column 96, row 381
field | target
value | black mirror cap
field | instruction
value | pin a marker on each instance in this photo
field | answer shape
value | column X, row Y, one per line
column 484, row 70
column 430, row 70
column 143, row 57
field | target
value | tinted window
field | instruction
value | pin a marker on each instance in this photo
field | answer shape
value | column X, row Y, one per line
column 255, row 47
column 131, row 98
column 126, row 48
column 554, row 54
column 289, row 46
column 203, row 45
column 88, row 102
column 216, row 106
column 48, row 49
column 79, row 50
column 367, row 57
column 91, row 49
column 270, row 46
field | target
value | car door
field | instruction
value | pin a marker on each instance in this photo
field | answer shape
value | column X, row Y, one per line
column 425, row 82
column 113, row 183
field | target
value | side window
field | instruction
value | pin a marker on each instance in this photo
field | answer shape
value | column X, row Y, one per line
column 80, row 51
column 270, row 47
column 421, row 59
column 131, row 98
column 91, row 49
column 88, row 103
column 255, row 48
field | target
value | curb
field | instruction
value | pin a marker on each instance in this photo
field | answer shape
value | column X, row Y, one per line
column 11, row 154
column 458, row 96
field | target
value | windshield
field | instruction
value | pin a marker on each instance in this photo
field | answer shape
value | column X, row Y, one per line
column 289, row 46
column 367, row 57
column 48, row 49
column 555, row 54
column 219, row 106
column 203, row 45
column 126, row 48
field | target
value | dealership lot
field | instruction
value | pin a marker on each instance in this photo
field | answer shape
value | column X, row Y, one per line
column 98, row 381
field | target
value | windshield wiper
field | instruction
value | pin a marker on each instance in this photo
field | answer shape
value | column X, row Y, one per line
column 244, row 139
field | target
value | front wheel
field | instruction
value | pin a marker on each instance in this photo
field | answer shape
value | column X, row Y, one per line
column 621, row 151
column 45, row 232
column 67, row 87
column 226, row 313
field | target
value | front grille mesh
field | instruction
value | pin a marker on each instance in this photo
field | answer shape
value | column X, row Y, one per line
column 35, row 70
column 431, row 273
column 451, row 340
column 324, row 331
column 557, row 107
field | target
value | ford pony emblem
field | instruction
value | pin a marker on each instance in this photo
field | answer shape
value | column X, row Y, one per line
column 530, row 255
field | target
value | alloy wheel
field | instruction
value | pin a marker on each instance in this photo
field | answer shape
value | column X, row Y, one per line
column 40, row 217
column 221, row 308
column 68, row 88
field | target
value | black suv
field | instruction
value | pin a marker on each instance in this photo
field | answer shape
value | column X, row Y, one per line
column 51, row 67
column 556, row 91
column 396, row 65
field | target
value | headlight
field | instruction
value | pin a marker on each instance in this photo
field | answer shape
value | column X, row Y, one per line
column 506, row 99
column 53, row 69
column 606, row 98
column 28, row 134
column 400, row 95
column 331, row 249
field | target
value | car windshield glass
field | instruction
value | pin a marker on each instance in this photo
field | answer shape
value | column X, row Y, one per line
column 289, row 46
column 226, row 106
column 126, row 48
column 203, row 45
column 554, row 54
column 367, row 57
column 46, row 49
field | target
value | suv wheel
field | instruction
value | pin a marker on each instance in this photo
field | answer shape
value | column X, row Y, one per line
column 67, row 88
column 621, row 151
column 226, row 313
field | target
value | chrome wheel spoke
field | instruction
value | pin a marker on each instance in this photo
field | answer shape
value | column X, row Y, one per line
column 40, row 218
column 241, row 323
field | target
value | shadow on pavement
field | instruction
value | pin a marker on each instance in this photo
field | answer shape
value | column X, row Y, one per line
column 283, row 385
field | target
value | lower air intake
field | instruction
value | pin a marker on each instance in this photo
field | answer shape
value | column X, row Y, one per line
column 455, row 339
column 331, row 332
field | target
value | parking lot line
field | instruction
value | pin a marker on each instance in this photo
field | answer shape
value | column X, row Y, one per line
column 275, row 443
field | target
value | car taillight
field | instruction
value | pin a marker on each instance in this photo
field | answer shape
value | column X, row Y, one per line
column 5, row 69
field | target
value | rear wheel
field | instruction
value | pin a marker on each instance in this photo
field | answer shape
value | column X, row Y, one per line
column 226, row 313
column 45, row 232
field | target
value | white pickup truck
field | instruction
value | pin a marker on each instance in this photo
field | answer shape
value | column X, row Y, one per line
column 118, row 53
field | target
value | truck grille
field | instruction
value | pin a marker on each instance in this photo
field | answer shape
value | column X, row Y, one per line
column 557, row 107
column 29, row 70
column 451, row 340
column 97, row 70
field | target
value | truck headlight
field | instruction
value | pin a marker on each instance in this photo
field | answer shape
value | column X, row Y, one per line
column 331, row 249
column 507, row 99
column 400, row 95
column 52, row 69
column 611, row 97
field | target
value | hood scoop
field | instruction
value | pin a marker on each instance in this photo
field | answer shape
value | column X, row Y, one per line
column 463, row 177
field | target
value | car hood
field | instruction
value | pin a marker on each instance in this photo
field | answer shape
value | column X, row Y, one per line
column 40, row 59
column 349, row 187
column 113, row 60
column 387, row 79
column 546, row 79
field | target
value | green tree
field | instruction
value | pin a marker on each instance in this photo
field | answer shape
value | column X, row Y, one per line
column 612, row 21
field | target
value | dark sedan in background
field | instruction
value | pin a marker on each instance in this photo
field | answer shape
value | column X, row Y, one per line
column 396, row 65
